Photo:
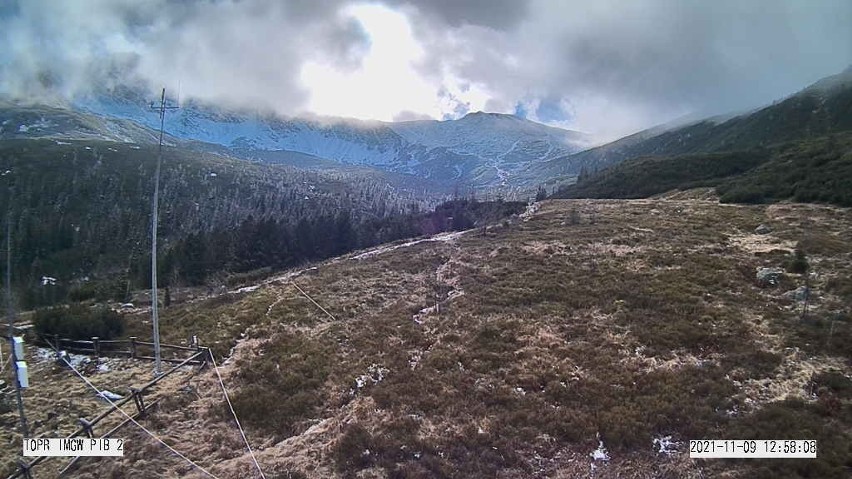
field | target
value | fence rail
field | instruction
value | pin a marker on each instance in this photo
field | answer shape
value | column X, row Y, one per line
column 136, row 394
column 131, row 347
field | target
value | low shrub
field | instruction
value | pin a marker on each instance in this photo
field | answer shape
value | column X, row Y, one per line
column 799, row 263
column 79, row 322
column 352, row 450
column 114, row 289
column 284, row 387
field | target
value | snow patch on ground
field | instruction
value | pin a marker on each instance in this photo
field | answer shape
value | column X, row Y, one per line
column 76, row 360
column 414, row 360
column 445, row 237
column 107, row 394
column 375, row 374
column 44, row 354
column 456, row 293
column 600, row 454
column 665, row 445
column 106, row 365
column 531, row 210
column 418, row 318
column 245, row 289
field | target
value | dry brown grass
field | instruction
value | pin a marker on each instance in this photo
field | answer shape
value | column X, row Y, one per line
column 628, row 319
column 56, row 399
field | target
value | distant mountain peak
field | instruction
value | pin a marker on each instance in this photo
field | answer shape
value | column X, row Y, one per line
column 481, row 148
column 822, row 108
column 829, row 84
column 487, row 115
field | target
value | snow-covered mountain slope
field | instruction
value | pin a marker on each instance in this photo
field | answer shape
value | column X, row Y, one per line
column 19, row 121
column 343, row 141
column 481, row 149
column 492, row 135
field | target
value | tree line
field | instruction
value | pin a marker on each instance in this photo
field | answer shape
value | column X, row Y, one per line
column 271, row 243
column 80, row 214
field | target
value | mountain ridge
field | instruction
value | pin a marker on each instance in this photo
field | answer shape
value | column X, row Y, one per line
column 821, row 108
column 481, row 149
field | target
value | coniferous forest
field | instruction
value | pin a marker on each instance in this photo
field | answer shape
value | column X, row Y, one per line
column 815, row 170
column 80, row 217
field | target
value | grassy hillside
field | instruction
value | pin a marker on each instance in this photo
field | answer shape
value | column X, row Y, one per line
column 817, row 170
column 648, row 176
column 18, row 121
column 821, row 109
column 521, row 351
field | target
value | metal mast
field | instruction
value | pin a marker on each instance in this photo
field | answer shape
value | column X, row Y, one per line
column 161, row 108
column 10, row 313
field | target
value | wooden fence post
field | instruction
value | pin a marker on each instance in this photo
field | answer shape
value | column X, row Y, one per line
column 133, row 347
column 138, row 400
column 87, row 426
column 96, row 344
column 24, row 469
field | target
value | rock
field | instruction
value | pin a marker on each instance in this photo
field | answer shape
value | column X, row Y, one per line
column 769, row 276
column 763, row 229
column 799, row 294
column 109, row 395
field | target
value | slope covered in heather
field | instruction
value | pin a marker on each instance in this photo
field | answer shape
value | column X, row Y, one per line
column 815, row 170
column 821, row 109
column 585, row 335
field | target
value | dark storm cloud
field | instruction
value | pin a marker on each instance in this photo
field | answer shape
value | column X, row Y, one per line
column 605, row 66
column 622, row 65
column 497, row 14
column 243, row 53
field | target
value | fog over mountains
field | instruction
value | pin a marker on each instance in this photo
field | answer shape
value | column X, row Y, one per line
column 821, row 108
column 483, row 150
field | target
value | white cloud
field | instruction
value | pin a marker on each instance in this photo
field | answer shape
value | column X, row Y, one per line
column 384, row 84
column 612, row 66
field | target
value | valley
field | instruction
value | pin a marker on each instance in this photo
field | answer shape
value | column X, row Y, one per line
column 482, row 296
column 480, row 150
column 580, row 326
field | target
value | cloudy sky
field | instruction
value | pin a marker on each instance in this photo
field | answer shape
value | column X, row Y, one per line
column 607, row 67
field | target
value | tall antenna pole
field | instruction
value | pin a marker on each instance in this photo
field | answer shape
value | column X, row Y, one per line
column 154, row 217
column 10, row 314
